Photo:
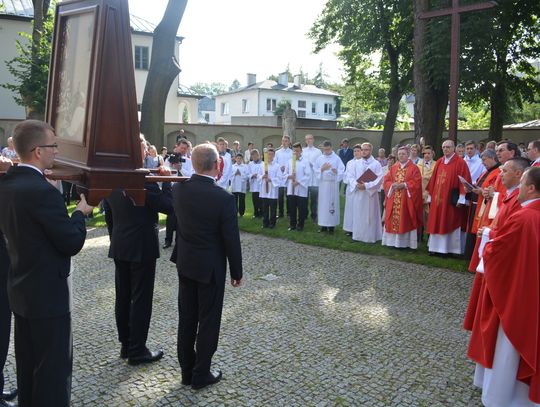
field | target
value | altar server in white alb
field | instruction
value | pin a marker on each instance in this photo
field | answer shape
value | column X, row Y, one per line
column 298, row 177
column 224, row 179
column 254, row 168
column 311, row 153
column 473, row 160
column 239, row 178
column 349, row 179
column 330, row 169
column 367, row 225
column 271, row 178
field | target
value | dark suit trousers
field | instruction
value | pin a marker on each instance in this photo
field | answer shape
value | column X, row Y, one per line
column 170, row 227
column 257, row 204
column 240, row 202
column 298, row 207
column 313, row 194
column 200, row 307
column 282, row 192
column 133, row 306
column 44, row 359
column 5, row 326
column 269, row 207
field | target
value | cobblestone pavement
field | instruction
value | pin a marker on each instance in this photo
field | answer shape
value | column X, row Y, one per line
column 334, row 329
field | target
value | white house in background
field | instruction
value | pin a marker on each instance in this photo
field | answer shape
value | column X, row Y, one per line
column 16, row 16
column 261, row 99
column 207, row 110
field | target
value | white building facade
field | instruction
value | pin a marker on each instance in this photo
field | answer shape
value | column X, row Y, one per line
column 262, row 98
column 16, row 16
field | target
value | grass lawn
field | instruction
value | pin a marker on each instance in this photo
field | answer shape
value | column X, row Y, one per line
column 338, row 240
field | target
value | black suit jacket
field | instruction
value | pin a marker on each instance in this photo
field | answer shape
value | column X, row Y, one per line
column 134, row 229
column 207, row 232
column 41, row 240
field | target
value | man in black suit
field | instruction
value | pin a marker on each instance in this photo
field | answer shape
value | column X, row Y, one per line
column 135, row 248
column 207, row 237
column 41, row 239
column 5, row 312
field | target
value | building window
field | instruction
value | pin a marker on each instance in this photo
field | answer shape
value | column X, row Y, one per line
column 314, row 107
column 225, row 109
column 328, row 108
column 301, row 104
column 141, row 57
column 301, row 113
column 271, row 105
column 245, row 106
column 207, row 117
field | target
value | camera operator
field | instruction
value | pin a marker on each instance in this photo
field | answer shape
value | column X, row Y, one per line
column 180, row 162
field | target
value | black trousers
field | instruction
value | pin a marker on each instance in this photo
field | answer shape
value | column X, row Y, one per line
column 134, row 284
column 313, row 196
column 257, row 204
column 199, row 307
column 269, row 207
column 298, row 210
column 282, row 192
column 240, row 202
column 44, row 359
column 5, row 317
column 170, row 227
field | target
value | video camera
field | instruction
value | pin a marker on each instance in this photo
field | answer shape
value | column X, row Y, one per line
column 176, row 158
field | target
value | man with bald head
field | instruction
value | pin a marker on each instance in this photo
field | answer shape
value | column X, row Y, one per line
column 447, row 213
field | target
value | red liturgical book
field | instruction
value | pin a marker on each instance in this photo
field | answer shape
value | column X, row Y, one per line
column 367, row 176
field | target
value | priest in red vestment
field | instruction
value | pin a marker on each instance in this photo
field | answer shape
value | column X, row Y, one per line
column 404, row 204
column 508, row 352
column 511, row 174
column 447, row 211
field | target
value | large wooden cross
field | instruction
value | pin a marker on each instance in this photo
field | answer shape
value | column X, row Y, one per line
column 455, row 11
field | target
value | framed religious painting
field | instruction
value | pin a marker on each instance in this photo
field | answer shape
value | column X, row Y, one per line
column 91, row 100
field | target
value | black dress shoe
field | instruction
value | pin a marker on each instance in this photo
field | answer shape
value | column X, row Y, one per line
column 123, row 352
column 146, row 357
column 212, row 378
column 186, row 379
column 9, row 395
column 5, row 403
column 292, row 228
column 167, row 245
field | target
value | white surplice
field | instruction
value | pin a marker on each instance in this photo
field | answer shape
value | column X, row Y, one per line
column 349, row 192
column 367, row 224
column 239, row 181
column 329, row 209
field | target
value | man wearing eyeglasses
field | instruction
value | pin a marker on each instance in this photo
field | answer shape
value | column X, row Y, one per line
column 41, row 238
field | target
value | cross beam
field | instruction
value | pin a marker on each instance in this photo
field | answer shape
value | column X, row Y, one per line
column 455, row 11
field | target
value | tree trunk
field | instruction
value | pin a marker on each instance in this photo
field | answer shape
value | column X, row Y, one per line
column 41, row 9
column 499, row 110
column 430, row 104
column 163, row 70
column 394, row 97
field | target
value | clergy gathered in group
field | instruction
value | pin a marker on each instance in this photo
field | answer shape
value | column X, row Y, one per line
column 484, row 207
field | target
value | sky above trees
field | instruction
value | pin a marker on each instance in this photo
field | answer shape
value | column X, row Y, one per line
column 224, row 40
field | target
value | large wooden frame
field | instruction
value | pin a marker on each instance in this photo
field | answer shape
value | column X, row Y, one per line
column 91, row 99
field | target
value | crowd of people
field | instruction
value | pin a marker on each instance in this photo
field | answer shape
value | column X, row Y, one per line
column 481, row 202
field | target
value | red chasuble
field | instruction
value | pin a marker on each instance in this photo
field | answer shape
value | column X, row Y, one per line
column 508, row 207
column 481, row 217
column 512, row 296
column 444, row 217
column 404, row 213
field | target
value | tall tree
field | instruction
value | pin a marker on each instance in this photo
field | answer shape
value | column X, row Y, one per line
column 163, row 70
column 364, row 28
column 500, row 59
column 431, row 76
column 30, row 68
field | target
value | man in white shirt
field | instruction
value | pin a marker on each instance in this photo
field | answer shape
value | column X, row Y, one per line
column 283, row 156
column 298, row 176
column 247, row 153
column 473, row 160
column 311, row 153
column 223, row 181
column 254, row 168
column 329, row 168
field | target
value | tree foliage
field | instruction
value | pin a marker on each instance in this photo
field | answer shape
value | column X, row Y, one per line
column 30, row 68
column 365, row 28
column 209, row 89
